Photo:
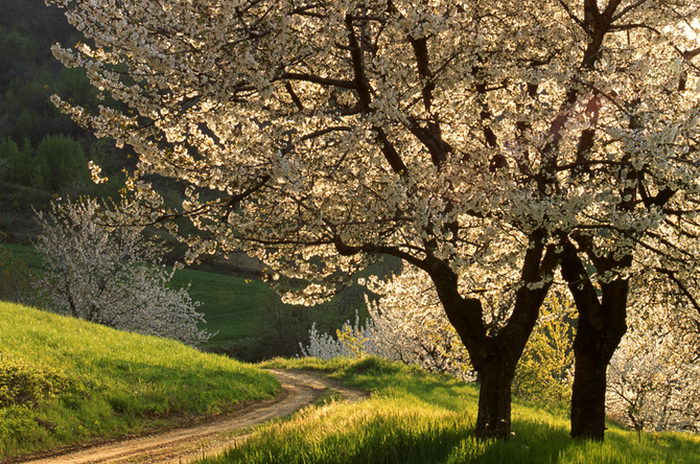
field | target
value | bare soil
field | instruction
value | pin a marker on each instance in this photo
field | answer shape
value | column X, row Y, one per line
column 189, row 443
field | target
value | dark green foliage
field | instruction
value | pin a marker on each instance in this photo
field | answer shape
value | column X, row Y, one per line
column 30, row 124
column 17, row 279
column 17, row 55
column 60, row 165
column 15, row 164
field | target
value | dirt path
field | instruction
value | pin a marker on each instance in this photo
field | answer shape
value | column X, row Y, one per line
column 188, row 444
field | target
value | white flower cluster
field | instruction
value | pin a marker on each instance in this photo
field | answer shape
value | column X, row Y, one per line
column 325, row 346
column 654, row 376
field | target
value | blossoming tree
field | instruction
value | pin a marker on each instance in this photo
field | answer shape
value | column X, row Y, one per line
column 111, row 275
column 654, row 381
column 481, row 142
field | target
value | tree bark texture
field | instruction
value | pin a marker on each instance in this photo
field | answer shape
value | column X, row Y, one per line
column 494, row 416
column 601, row 324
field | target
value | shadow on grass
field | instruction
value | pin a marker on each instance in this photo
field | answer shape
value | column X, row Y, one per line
column 533, row 443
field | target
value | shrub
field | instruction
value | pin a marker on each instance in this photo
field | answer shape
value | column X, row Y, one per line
column 60, row 164
column 25, row 384
column 17, row 165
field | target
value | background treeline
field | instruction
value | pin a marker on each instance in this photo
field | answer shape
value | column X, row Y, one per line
column 43, row 154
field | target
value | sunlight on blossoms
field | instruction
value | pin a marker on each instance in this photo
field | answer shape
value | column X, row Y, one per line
column 693, row 30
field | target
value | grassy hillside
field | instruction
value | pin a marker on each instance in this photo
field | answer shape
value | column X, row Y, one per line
column 420, row 418
column 64, row 381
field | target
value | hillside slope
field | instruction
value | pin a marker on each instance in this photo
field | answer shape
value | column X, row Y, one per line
column 65, row 381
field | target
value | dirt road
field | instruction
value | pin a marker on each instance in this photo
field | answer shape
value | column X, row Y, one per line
column 188, row 444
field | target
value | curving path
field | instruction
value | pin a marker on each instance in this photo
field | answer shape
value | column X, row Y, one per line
column 187, row 444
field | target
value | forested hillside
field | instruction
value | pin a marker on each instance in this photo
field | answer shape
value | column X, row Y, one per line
column 43, row 153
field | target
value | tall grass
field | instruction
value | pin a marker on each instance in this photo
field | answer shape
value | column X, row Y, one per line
column 67, row 381
column 420, row 418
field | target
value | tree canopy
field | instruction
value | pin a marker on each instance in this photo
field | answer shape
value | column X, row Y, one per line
column 482, row 142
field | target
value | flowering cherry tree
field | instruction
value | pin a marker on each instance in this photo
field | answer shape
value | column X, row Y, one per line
column 407, row 324
column 484, row 143
column 111, row 275
column 654, row 381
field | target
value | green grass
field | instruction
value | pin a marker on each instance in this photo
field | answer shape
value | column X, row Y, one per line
column 234, row 307
column 420, row 418
column 64, row 381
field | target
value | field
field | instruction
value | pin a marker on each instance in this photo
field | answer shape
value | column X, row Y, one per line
column 420, row 418
column 65, row 381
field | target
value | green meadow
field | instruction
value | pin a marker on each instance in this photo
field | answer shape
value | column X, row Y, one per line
column 414, row 417
column 64, row 381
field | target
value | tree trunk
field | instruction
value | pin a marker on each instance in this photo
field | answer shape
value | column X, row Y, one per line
column 493, row 420
column 593, row 349
column 601, row 325
column 495, row 355
column 588, row 396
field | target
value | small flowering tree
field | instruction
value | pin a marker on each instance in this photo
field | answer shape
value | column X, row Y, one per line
column 654, row 381
column 408, row 324
column 111, row 275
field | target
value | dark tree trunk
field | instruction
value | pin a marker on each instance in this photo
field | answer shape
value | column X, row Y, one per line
column 592, row 352
column 494, row 418
column 495, row 355
column 588, row 393
column 494, row 359
column 601, row 325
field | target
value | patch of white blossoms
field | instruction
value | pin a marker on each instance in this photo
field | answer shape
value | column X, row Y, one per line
column 112, row 275
column 654, row 376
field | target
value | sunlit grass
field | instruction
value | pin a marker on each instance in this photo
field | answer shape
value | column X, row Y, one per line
column 109, row 382
column 415, row 417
